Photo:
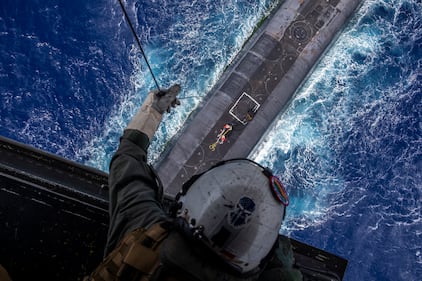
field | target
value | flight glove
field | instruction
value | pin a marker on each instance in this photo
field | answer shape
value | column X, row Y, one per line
column 149, row 116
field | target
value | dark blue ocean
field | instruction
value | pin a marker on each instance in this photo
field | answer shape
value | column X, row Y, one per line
column 348, row 147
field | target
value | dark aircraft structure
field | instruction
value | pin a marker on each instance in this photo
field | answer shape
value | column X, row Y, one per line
column 54, row 219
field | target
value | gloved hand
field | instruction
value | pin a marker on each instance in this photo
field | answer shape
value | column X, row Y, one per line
column 165, row 99
column 151, row 112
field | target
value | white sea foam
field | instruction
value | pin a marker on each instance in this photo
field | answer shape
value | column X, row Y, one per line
column 189, row 54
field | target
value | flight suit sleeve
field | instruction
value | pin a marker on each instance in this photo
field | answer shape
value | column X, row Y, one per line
column 281, row 266
column 135, row 192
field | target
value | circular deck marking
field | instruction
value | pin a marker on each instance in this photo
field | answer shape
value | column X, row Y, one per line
column 301, row 32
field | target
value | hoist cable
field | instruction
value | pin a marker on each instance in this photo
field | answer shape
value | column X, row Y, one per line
column 139, row 43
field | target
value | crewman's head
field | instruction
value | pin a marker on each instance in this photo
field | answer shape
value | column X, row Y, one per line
column 236, row 208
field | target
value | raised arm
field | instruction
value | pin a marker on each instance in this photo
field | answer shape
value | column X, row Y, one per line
column 135, row 191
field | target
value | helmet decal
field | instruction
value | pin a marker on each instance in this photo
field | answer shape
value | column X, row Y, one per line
column 242, row 213
column 279, row 191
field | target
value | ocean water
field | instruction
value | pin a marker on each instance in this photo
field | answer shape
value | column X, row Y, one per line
column 348, row 147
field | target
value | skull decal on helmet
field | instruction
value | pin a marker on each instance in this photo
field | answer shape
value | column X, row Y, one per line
column 242, row 212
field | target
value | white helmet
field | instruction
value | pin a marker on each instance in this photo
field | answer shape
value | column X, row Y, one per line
column 236, row 208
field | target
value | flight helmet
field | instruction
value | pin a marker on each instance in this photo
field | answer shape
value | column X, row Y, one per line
column 236, row 208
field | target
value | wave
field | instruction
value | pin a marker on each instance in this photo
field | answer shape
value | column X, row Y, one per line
column 348, row 145
column 191, row 49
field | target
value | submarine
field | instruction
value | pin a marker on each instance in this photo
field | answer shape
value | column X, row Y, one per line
column 54, row 217
column 54, row 211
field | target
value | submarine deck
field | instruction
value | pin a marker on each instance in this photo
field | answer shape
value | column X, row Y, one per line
column 255, row 88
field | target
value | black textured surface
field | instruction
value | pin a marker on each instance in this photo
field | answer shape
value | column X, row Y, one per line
column 53, row 214
column 46, row 236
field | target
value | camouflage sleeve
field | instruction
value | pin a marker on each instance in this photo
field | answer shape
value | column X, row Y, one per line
column 135, row 194
column 281, row 266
